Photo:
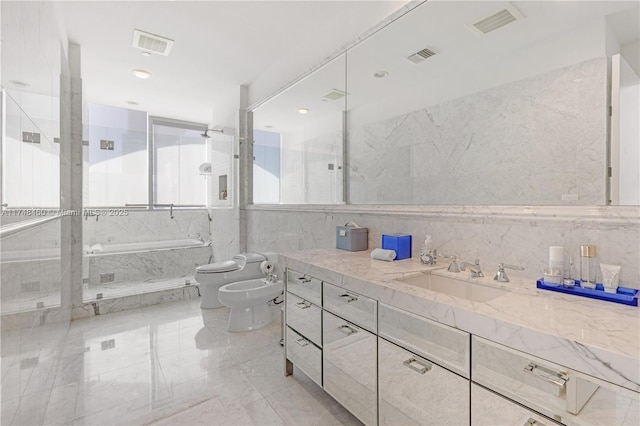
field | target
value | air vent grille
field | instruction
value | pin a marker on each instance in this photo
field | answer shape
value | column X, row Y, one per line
column 496, row 20
column 335, row 94
column 151, row 43
column 421, row 55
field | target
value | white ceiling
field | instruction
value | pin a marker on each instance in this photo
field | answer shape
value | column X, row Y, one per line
column 219, row 45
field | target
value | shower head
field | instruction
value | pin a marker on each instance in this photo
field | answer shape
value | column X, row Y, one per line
column 206, row 133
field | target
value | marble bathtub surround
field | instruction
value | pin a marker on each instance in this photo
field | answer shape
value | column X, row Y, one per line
column 31, row 264
column 593, row 337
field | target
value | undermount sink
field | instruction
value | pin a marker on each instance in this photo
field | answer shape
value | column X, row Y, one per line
column 453, row 287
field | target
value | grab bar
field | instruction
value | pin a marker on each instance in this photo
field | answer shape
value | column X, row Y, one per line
column 171, row 206
column 14, row 228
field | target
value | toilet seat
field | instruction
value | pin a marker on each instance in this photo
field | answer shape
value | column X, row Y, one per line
column 218, row 267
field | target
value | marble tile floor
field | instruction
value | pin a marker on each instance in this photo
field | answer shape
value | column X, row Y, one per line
column 29, row 301
column 168, row 364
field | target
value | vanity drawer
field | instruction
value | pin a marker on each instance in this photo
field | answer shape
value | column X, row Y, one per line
column 490, row 409
column 349, row 366
column 439, row 343
column 564, row 395
column 415, row 391
column 535, row 383
column 305, row 318
column 304, row 286
column 304, row 355
column 351, row 306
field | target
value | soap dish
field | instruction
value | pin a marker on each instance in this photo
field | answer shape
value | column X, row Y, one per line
column 625, row 296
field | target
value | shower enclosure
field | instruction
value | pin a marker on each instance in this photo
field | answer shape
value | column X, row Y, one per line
column 146, row 227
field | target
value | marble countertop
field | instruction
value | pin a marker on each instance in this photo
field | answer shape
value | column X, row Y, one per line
column 598, row 338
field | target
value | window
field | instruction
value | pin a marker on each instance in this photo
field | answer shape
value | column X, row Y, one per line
column 178, row 152
column 266, row 167
column 131, row 158
column 115, row 157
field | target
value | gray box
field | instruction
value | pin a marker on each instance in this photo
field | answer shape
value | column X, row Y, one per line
column 351, row 238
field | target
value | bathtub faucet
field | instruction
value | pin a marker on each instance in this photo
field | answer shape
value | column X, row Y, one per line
column 272, row 278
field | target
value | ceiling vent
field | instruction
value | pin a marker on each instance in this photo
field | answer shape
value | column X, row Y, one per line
column 496, row 20
column 151, row 42
column 335, row 94
column 420, row 56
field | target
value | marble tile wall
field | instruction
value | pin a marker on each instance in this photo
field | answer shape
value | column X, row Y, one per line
column 516, row 235
column 525, row 142
column 140, row 226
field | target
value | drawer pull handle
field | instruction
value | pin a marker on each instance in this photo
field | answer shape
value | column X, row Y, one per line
column 302, row 342
column 556, row 378
column 421, row 367
column 304, row 279
column 303, row 305
column 349, row 297
column 533, row 422
column 345, row 329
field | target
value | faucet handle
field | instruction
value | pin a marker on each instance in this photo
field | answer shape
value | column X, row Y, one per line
column 453, row 266
column 501, row 275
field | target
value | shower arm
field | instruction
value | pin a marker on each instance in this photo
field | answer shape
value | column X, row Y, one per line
column 206, row 133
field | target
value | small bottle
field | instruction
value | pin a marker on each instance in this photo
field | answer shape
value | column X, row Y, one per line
column 588, row 263
column 427, row 254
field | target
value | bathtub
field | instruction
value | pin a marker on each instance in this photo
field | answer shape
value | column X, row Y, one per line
column 131, row 262
column 102, row 249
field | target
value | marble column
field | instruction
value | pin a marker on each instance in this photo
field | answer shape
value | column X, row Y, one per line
column 245, row 173
column 71, row 178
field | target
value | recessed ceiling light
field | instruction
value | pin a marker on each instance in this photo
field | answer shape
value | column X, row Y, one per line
column 303, row 110
column 141, row 73
column 381, row 74
column 132, row 103
column 19, row 83
column 146, row 53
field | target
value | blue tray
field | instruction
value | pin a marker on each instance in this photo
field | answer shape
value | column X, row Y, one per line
column 626, row 296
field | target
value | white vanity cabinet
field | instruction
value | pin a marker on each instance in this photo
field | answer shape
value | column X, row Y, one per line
column 564, row 395
column 423, row 370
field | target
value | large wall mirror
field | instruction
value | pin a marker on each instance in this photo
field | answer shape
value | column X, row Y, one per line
column 490, row 103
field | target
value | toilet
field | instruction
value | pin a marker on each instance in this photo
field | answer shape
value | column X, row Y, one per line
column 211, row 277
column 249, row 303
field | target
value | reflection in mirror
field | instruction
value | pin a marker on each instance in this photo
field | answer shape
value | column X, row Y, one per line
column 298, row 150
column 625, row 132
column 453, row 105
column 30, row 59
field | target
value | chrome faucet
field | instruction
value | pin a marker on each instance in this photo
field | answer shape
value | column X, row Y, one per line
column 474, row 269
column 271, row 278
column 501, row 275
column 453, row 266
